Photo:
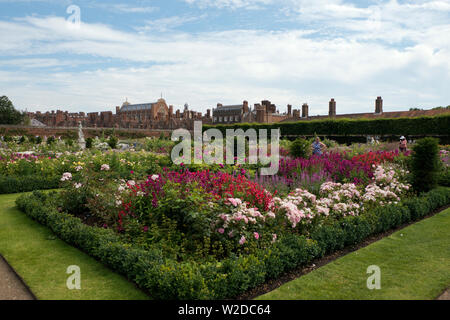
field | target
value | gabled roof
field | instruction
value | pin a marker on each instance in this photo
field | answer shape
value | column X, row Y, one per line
column 137, row 107
column 228, row 108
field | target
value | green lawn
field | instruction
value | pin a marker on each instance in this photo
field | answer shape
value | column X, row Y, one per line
column 414, row 263
column 42, row 260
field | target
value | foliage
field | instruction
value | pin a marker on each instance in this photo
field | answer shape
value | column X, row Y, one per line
column 300, row 148
column 425, row 164
column 166, row 278
column 11, row 184
column 51, row 140
column 8, row 114
column 89, row 142
column 398, row 126
column 112, row 142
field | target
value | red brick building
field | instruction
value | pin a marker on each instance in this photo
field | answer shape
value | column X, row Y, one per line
column 155, row 115
column 159, row 115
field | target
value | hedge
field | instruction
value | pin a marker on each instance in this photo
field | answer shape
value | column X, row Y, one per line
column 18, row 184
column 438, row 125
column 168, row 279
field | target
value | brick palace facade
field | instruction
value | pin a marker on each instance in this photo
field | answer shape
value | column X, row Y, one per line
column 158, row 115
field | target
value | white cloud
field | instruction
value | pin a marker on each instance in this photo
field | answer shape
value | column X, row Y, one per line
column 126, row 8
column 169, row 23
column 290, row 66
column 231, row 4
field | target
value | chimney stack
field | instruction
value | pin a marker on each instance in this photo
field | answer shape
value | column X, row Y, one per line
column 289, row 111
column 332, row 108
column 305, row 111
column 245, row 106
column 379, row 105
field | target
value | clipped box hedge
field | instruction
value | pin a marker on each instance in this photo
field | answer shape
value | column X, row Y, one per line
column 438, row 125
column 18, row 184
column 164, row 278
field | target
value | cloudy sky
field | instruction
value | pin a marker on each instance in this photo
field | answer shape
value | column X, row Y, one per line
column 207, row 51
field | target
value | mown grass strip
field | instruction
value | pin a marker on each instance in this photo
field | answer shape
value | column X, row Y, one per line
column 414, row 264
column 41, row 260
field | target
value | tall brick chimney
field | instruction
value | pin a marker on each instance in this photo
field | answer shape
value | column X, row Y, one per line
column 117, row 110
column 305, row 110
column 332, row 108
column 208, row 113
column 379, row 105
column 245, row 106
column 289, row 111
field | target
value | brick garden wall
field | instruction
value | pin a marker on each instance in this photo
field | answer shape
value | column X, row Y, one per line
column 73, row 132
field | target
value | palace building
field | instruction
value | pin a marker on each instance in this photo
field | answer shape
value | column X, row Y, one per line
column 159, row 115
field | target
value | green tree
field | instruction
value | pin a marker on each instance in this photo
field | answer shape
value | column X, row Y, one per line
column 8, row 114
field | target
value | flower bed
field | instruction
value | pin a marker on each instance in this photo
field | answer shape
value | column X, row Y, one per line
column 18, row 168
column 166, row 278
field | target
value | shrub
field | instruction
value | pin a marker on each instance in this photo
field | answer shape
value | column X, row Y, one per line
column 167, row 278
column 329, row 127
column 444, row 178
column 69, row 142
column 50, row 140
column 89, row 142
column 425, row 164
column 112, row 142
column 12, row 184
column 300, row 148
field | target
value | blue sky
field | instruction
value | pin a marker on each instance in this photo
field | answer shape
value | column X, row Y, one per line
column 207, row 51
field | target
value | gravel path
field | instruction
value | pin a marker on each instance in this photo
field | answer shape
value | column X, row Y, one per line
column 445, row 295
column 11, row 287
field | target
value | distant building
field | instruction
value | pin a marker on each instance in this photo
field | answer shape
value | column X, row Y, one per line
column 154, row 115
column 158, row 115
column 266, row 112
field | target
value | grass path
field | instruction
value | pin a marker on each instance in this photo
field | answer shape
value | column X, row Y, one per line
column 414, row 264
column 42, row 260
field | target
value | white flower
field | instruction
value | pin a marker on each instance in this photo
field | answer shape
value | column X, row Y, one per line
column 66, row 176
column 105, row 167
column 77, row 185
column 154, row 177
